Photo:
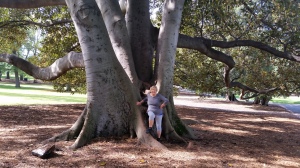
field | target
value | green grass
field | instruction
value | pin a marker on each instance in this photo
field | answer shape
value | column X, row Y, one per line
column 45, row 94
column 36, row 94
column 288, row 100
column 279, row 100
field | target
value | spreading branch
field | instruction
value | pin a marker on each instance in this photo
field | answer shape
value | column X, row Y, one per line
column 58, row 68
column 251, row 43
column 8, row 24
column 246, row 89
column 199, row 45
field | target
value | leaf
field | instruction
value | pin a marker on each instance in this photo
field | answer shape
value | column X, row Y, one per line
column 142, row 161
column 102, row 163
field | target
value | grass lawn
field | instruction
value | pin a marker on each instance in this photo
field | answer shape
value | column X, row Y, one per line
column 288, row 100
column 45, row 94
column 36, row 94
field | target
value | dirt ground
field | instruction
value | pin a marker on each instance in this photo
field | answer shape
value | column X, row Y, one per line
column 229, row 134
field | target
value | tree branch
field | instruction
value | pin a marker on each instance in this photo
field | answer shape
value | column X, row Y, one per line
column 251, row 43
column 246, row 88
column 25, row 4
column 198, row 44
column 58, row 68
column 26, row 22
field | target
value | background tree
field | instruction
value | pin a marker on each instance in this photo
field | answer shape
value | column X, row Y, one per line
column 12, row 38
column 124, row 56
column 59, row 38
column 235, row 21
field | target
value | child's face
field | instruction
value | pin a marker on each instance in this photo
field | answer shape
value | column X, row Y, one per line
column 153, row 91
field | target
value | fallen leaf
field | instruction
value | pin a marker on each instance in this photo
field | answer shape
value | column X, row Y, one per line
column 142, row 161
column 102, row 163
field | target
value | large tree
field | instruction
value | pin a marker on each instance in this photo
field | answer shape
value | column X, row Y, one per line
column 125, row 54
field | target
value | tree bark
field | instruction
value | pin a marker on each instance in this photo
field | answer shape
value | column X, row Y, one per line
column 110, row 95
column 141, row 39
column 17, row 80
column 118, row 34
column 166, row 50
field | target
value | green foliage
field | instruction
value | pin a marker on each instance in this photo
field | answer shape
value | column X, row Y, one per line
column 57, row 42
column 42, row 45
column 274, row 22
column 197, row 72
column 11, row 37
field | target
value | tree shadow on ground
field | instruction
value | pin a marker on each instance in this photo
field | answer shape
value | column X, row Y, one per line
column 225, row 138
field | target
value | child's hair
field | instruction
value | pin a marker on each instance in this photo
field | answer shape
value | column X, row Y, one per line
column 153, row 87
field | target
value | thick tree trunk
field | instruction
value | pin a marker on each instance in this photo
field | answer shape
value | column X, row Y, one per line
column 110, row 108
column 166, row 50
column 109, row 96
column 141, row 39
column 117, row 30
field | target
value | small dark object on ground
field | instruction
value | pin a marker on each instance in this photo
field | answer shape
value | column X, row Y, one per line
column 44, row 152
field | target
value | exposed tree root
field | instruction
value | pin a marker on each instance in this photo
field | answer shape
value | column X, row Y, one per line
column 82, row 132
column 143, row 138
column 72, row 132
column 88, row 130
column 175, row 128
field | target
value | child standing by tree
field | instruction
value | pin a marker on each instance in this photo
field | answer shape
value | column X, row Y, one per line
column 156, row 102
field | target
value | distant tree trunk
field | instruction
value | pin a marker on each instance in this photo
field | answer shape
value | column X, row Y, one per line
column 21, row 77
column 256, row 100
column 68, row 87
column 17, row 81
column 263, row 100
column 7, row 75
column 0, row 75
column 232, row 97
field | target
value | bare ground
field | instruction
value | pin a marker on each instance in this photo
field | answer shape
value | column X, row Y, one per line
column 229, row 134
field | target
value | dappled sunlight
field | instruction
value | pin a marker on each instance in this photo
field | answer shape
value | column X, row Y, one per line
column 288, row 120
column 256, row 135
column 255, row 127
column 230, row 131
column 274, row 162
column 27, row 134
column 220, row 104
column 225, row 138
column 171, row 6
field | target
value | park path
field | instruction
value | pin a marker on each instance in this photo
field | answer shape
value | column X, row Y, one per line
column 293, row 108
column 195, row 101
